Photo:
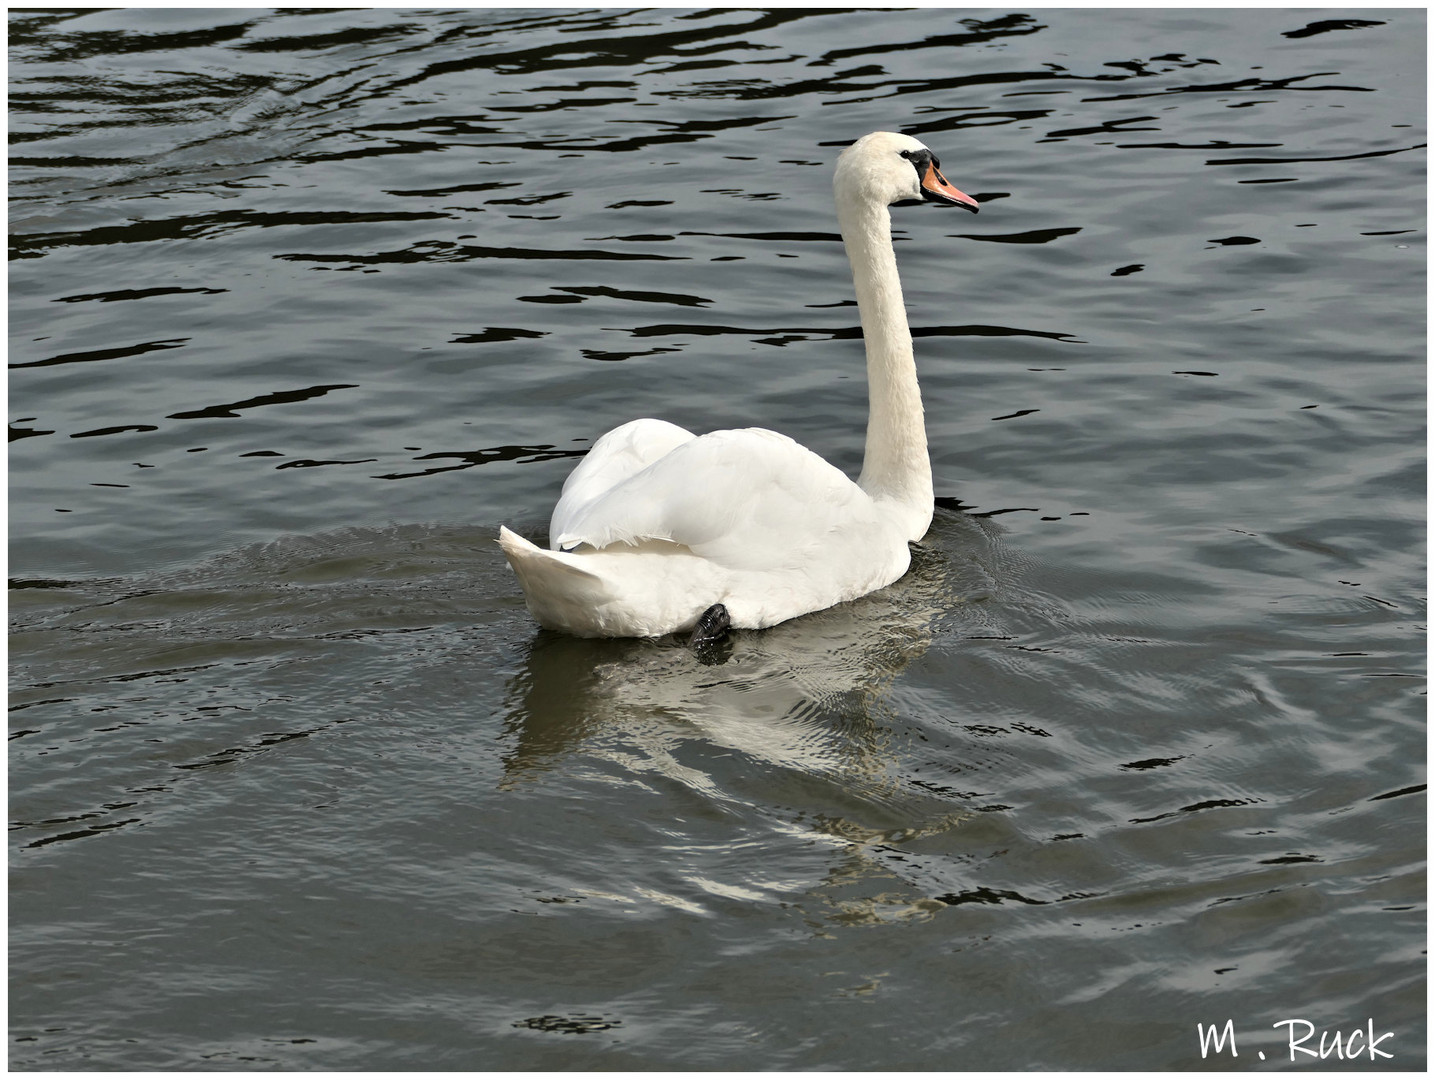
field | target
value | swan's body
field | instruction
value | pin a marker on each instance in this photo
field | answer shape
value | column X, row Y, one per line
column 656, row 525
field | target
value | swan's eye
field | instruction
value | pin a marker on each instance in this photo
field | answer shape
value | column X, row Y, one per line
column 919, row 159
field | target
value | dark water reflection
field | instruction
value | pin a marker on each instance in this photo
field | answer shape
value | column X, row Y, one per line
column 304, row 304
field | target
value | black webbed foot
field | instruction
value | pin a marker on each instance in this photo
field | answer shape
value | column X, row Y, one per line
column 711, row 629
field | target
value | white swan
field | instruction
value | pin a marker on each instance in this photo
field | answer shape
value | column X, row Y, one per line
column 659, row 530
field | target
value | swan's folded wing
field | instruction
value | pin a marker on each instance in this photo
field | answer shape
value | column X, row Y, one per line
column 618, row 455
column 741, row 498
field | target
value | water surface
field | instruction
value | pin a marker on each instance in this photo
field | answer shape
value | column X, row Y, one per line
column 304, row 305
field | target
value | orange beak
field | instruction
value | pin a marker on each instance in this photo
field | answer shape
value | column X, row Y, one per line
column 936, row 189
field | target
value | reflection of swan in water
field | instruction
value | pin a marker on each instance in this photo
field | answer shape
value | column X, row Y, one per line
column 806, row 695
column 796, row 770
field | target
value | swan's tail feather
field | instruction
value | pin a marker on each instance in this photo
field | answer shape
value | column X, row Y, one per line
column 559, row 594
column 528, row 558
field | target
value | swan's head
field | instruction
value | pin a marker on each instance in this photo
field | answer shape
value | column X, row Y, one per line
column 886, row 167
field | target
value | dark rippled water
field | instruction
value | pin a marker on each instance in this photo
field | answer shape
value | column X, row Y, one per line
column 303, row 305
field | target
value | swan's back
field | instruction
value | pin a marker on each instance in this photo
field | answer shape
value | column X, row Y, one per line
column 623, row 452
column 744, row 498
column 747, row 518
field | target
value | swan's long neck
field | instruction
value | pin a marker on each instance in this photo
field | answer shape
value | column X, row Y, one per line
column 895, row 469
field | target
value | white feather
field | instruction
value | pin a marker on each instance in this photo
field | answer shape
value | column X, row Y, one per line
column 615, row 457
